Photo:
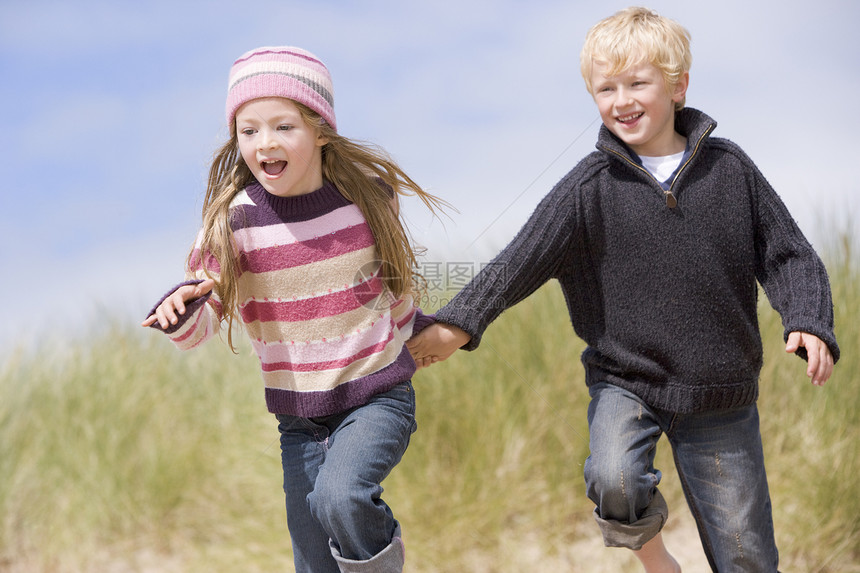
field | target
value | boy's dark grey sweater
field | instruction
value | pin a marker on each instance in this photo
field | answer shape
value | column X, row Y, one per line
column 664, row 297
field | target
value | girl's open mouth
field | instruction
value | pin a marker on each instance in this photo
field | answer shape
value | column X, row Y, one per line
column 273, row 167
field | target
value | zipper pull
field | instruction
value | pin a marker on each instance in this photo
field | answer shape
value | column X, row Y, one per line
column 671, row 202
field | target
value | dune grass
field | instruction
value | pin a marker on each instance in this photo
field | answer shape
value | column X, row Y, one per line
column 119, row 453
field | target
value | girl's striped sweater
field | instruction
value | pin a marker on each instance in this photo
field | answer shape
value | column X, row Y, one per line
column 328, row 334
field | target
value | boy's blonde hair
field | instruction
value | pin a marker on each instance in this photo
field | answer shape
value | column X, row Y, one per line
column 635, row 35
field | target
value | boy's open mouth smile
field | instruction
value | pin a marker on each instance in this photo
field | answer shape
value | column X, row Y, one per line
column 630, row 118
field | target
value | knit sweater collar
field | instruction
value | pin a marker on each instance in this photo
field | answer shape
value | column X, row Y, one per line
column 691, row 123
column 325, row 199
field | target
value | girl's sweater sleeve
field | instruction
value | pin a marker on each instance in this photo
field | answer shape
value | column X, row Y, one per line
column 530, row 260
column 422, row 321
column 202, row 318
column 199, row 323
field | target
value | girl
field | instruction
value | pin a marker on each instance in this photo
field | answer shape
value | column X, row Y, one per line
column 302, row 242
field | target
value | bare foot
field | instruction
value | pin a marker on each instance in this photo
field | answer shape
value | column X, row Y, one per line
column 655, row 558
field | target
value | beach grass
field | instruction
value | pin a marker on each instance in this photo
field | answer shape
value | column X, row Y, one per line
column 120, row 453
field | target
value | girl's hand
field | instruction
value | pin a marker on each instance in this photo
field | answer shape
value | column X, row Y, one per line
column 820, row 360
column 167, row 311
column 435, row 343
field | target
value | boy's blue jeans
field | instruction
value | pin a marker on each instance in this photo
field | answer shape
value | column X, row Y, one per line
column 333, row 467
column 720, row 462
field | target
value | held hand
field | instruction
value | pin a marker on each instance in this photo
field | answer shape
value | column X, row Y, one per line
column 435, row 343
column 820, row 365
column 174, row 304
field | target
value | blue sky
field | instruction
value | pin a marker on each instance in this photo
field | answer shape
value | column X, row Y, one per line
column 112, row 111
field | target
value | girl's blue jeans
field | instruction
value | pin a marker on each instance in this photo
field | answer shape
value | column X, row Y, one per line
column 333, row 467
column 720, row 462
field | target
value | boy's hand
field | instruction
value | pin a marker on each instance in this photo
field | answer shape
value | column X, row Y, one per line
column 820, row 360
column 435, row 343
column 175, row 304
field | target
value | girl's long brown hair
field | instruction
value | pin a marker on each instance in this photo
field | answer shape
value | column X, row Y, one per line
column 354, row 168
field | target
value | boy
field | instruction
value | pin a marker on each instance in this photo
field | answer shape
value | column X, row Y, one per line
column 658, row 239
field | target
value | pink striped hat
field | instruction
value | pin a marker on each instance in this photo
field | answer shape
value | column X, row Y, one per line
column 282, row 71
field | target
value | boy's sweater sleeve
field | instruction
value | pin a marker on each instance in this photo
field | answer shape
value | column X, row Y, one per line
column 529, row 261
column 791, row 273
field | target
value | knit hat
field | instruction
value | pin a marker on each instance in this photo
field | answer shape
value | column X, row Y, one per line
column 282, row 71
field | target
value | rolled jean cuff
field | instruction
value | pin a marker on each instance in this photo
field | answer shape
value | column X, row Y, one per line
column 389, row 560
column 635, row 535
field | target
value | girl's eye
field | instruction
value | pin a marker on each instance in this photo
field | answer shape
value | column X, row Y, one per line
column 247, row 131
column 285, row 127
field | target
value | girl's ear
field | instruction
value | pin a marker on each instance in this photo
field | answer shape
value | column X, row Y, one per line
column 321, row 140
